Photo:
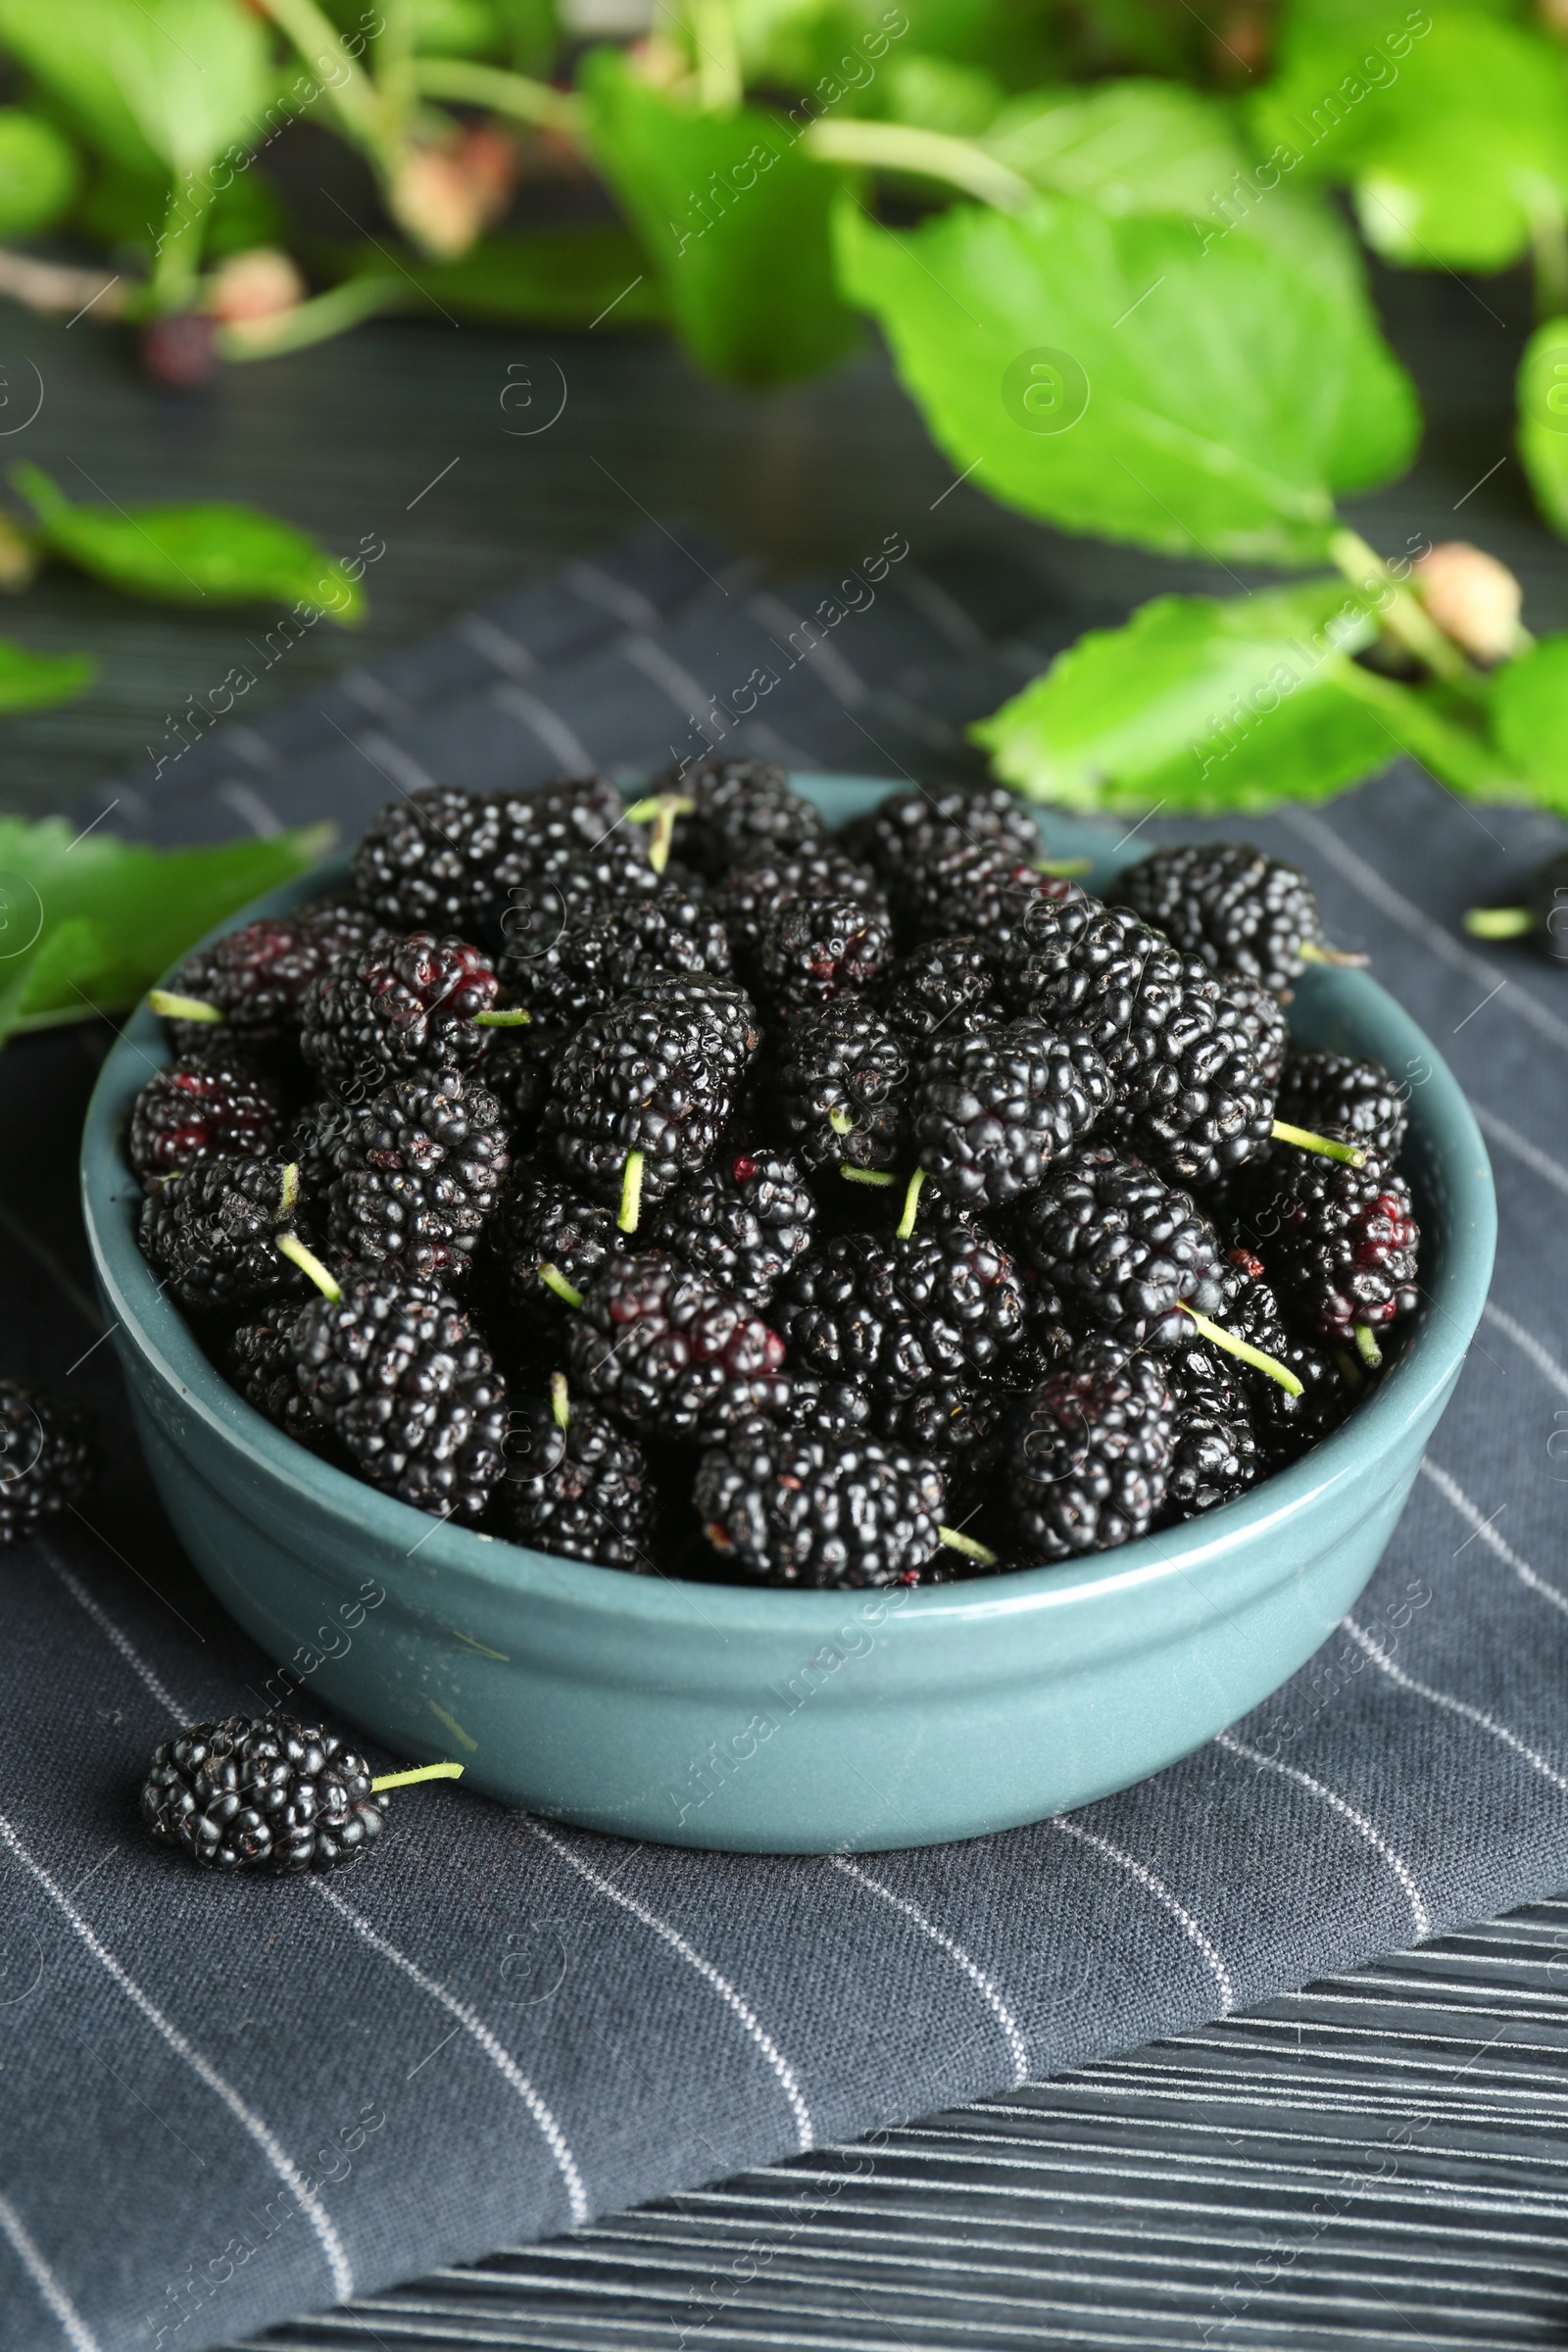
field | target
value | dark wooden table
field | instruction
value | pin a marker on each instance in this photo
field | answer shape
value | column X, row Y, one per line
column 1223, row 2188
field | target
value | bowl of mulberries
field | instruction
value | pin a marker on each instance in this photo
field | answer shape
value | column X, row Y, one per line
column 776, row 1313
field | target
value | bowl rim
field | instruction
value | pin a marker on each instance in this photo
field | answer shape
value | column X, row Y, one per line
column 502, row 1570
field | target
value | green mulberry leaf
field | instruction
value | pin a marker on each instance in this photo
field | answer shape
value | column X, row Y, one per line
column 736, row 220
column 1203, row 706
column 1112, row 376
column 91, row 921
column 220, row 554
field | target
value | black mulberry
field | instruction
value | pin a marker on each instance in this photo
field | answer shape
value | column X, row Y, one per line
column 1091, row 1458
column 47, row 1458
column 262, row 1793
column 993, row 1109
column 789, row 1507
column 671, row 1354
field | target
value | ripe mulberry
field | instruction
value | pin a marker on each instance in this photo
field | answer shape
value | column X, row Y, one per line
column 992, row 1110
column 1230, row 905
column 657, row 1075
column 1091, row 1458
column 262, row 1793
column 841, row 1088
column 787, row 1507
column 1127, row 1249
column 399, row 1005
column 672, row 1355
column 47, row 1458
column 215, row 1105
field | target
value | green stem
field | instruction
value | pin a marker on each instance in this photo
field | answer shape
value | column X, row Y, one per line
column 1350, row 960
column 1549, row 244
column 971, row 1550
column 1367, row 1347
column 313, row 322
column 514, row 94
column 1247, row 1353
column 1304, row 1141
column 661, row 814
column 288, row 1198
column 512, row 1018
column 865, row 1175
column 632, row 1193
column 1066, row 867
column 1498, row 923
column 841, row 1123
column 352, row 92
column 176, row 265
column 719, row 84
column 175, row 1007
column 927, row 154
column 394, row 61
column 911, row 1202
column 420, row 1772
column 559, row 1408
column 1402, row 614
column 309, row 1263
column 554, row 1279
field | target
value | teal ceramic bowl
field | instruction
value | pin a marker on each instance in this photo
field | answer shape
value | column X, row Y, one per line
column 709, row 1715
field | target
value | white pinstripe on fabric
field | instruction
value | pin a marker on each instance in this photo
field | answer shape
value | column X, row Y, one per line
column 1420, row 925
column 843, row 682
column 112, row 1633
column 1455, row 1706
column 671, row 676
column 1451, row 1491
column 1158, row 1888
column 76, row 2331
column 1526, row 1341
column 1380, row 1845
column 1519, row 1147
column 985, row 1986
column 532, row 712
column 276, row 2155
column 740, row 2009
column 473, row 2024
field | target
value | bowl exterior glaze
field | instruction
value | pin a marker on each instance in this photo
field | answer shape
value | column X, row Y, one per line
column 711, row 1715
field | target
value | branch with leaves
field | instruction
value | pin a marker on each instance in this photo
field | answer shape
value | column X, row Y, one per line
column 1104, row 247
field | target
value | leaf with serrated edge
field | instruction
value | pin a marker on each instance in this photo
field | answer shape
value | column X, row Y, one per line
column 735, row 220
column 96, row 919
column 1205, row 706
column 1530, row 719
column 1450, row 126
column 211, row 554
column 30, row 682
column 1543, row 421
column 1225, row 396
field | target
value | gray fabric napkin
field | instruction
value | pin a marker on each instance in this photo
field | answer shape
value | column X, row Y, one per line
column 225, row 2103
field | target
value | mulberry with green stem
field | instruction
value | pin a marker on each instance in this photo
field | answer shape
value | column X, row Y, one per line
column 841, row 1083
column 798, row 1507
column 672, row 1355
column 645, row 1090
column 1541, row 915
column 575, row 1484
column 397, row 1005
column 1233, row 906
column 249, row 987
column 1090, row 1458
